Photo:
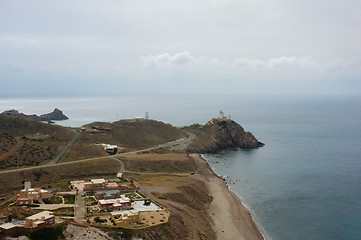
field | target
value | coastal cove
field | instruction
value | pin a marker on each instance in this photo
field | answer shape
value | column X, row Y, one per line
column 303, row 184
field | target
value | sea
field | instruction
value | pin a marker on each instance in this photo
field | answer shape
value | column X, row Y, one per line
column 305, row 183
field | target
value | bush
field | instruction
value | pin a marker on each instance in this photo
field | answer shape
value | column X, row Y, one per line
column 99, row 220
column 69, row 199
column 49, row 233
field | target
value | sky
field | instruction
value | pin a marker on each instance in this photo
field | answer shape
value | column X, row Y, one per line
column 178, row 47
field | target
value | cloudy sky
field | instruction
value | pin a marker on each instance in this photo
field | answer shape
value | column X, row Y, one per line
column 119, row 47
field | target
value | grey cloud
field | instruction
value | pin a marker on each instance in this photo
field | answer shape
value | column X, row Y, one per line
column 128, row 44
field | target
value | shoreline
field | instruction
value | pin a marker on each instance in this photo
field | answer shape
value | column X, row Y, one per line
column 231, row 218
column 252, row 214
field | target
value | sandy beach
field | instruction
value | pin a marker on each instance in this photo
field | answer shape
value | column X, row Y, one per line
column 231, row 219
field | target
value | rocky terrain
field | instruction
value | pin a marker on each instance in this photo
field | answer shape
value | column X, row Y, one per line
column 55, row 115
column 220, row 134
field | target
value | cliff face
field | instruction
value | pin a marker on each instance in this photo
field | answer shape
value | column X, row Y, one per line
column 221, row 134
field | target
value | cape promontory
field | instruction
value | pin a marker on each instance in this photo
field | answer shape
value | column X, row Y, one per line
column 220, row 134
column 56, row 115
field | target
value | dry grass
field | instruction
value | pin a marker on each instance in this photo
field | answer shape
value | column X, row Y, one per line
column 18, row 149
column 56, row 175
column 204, row 139
column 133, row 134
column 160, row 163
column 80, row 150
column 183, row 194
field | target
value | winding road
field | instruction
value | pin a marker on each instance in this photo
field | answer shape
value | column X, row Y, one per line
column 67, row 146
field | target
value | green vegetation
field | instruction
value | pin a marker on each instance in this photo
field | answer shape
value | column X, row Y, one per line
column 99, row 220
column 55, row 233
column 53, row 200
column 90, row 201
column 222, row 124
column 202, row 236
column 6, row 142
column 69, row 199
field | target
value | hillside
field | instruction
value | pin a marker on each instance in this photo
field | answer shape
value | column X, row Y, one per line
column 25, row 142
column 126, row 134
column 134, row 134
column 220, row 134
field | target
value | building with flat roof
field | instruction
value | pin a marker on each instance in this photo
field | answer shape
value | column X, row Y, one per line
column 32, row 224
column 111, row 184
column 9, row 229
column 94, row 184
column 115, row 204
column 28, row 195
column 45, row 217
column 125, row 218
column 143, row 212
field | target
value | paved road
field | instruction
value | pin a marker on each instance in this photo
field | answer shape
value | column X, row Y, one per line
column 180, row 141
column 67, row 146
column 169, row 144
column 121, row 164
column 79, row 207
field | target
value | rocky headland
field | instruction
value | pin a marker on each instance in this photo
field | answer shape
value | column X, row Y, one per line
column 55, row 115
column 220, row 134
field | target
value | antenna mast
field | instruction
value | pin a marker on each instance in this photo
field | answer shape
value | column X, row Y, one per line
column 221, row 114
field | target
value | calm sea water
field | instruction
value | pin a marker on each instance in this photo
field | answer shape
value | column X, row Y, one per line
column 304, row 184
